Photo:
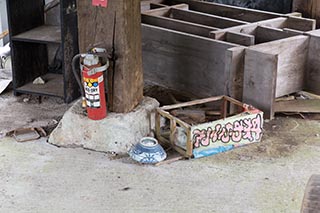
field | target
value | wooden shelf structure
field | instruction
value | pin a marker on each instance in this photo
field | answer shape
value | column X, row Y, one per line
column 42, row 34
column 31, row 39
column 215, row 49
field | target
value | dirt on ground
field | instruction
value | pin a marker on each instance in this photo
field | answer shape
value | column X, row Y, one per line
column 26, row 111
column 265, row 177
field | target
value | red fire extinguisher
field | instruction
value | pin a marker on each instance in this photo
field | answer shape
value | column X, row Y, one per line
column 92, row 82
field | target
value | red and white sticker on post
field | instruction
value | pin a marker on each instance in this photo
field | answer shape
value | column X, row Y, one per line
column 101, row 3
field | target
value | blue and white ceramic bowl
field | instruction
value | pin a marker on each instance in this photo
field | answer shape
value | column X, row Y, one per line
column 147, row 151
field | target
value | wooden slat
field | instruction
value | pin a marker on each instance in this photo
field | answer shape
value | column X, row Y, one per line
column 260, row 80
column 313, row 71
column 178, row 25
column 240, row 38
column 244, row 14
column 300, row 106
column 191, row 103
column 166, row 10
column 171, row 117
column 41, row 34
column 267, row 34
column 301, row 24
column 205, row 19
column 52, row 87
column 235, row 66
column 249, row 28
column 292, row 60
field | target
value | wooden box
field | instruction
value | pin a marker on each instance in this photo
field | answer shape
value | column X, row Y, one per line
column 234, row 124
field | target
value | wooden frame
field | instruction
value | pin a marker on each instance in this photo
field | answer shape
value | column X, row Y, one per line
column 184, row 49
column 226, row 115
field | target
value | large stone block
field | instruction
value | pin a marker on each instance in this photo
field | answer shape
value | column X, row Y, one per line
column 112, row 134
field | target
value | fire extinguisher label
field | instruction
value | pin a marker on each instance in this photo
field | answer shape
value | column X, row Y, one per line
column 92, row 91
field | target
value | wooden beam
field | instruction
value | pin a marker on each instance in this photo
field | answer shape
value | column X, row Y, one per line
column 266, row 34
column 235, row 68
column 205, row 19
column 260, row 80
column 116, row 28
column 240, row 38
column 302, row 24
column 248, row 28
column 313, row 72
column 178, row 25
column 243, row 14
column 298, row 106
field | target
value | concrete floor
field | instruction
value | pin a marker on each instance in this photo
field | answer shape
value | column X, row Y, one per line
column 266, row 177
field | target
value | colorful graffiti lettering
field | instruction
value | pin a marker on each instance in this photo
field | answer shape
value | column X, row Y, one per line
column 242, row 129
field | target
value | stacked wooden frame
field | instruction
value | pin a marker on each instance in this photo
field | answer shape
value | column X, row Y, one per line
column 209, row 49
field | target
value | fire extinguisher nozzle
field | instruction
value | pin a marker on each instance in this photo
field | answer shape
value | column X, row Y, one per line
column 84, row 103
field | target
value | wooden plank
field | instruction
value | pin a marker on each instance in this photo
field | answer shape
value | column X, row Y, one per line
column 301, row 24
column 299, row 106
column 189, row 143
column 184, row 62
column 52, row 87
column 192, row 103
column 40, row 34
column 292, row 60
column 249, row 28
column 293, row 32
column 70, row 46
column 308, row 8
column 165, row 11
column 313, row 71
column 235, row 68
column 124, row 17
column 240, row 38
column 178, row 25
column 243, row 14
column 260, row 80
column 266, row 34
column 205, row 19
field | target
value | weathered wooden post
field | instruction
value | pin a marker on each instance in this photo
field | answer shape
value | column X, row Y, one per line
column 116, row 28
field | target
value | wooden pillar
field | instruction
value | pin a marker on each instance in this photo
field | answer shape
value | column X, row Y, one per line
column 117, row 28
column 308, row 8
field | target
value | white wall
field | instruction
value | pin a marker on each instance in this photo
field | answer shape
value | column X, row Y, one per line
column 3, row 21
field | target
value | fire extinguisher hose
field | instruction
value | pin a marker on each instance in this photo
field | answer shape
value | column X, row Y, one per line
column 77, row 76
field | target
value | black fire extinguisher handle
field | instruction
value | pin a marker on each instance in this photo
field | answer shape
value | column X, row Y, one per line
column 77, row 74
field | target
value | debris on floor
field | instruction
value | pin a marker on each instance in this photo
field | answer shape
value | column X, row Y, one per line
column 27, row 134
column 39, row 81
column 301, row 103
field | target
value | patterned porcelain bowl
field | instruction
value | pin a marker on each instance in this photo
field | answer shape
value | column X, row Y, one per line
column 148, row 151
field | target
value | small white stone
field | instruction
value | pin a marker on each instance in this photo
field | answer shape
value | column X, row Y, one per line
column 39, row 81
